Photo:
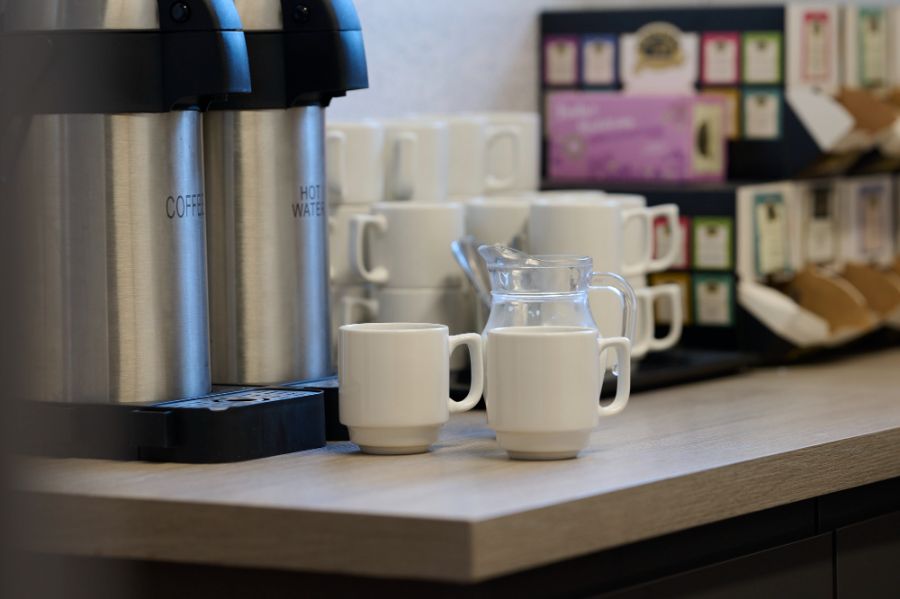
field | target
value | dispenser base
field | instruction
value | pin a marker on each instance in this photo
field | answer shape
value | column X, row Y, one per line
column 230, row 425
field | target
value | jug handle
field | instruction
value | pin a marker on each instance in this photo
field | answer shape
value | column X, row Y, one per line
column 614, row 283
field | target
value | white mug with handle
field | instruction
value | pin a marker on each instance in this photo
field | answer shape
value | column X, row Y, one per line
column 544, row 384
column 450, row 306
column 587, row 225
column 471, row 139
column 408, row 243
column 389, row 407
column 354, row 161
column 638, row 240
column 416, row 160
column 645, row 339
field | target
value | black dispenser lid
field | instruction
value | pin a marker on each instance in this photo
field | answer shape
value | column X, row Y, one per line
column 302, row 52
column 122, row 56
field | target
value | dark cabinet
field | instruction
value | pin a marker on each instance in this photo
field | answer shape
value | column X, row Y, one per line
column 799, row 570
column 868, row 558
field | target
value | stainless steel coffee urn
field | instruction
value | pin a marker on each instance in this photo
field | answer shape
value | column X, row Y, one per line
column 266, row 206
column 110, row 202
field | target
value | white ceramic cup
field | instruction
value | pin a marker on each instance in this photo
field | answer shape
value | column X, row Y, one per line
column 543, row 388
column 395, row 384
column 498, row 219
column 408, row 243
column 587, row 225
column 340, row 219
column 516, row 156
column 635, row 237
column 449, row 306
column 354, row 162
column 416, row 160
column 471, row 138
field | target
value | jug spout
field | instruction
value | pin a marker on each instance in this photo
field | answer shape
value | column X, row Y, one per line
column 501, row 256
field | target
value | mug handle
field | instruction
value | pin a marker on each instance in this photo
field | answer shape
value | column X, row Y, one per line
column 336, row 143
column 358, row 226
column 493, row 182
column 671, row 292
column 643, row 216
column 349, row 304
column 622, row 347
column 476, row 387
column 670, row 213
column 404, row 167
column 615, row 284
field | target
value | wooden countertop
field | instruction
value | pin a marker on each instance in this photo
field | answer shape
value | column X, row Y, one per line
column 674, row 459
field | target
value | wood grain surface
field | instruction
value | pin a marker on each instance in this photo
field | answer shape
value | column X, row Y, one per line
column 675, row 459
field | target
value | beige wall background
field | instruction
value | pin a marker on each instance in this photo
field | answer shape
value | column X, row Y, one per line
column 450, row 55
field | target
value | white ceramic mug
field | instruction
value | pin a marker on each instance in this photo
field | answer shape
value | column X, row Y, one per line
column 498, row 219
column 409, row 244
column 354, row 162
column 449, row 306
column 471, row 138
column 340, row 219
column 516, row 156
column 587, row 225
column 395, row 384
column 543, row 388
column 416, row 160
column 637, row 243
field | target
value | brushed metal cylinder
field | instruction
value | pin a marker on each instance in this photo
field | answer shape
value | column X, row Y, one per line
column 268, row 245
column 111, row 210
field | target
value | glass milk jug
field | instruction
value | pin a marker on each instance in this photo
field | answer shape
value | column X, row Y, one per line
column 549, row 290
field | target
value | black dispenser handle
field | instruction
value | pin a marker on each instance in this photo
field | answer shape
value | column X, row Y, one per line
column 196, row 56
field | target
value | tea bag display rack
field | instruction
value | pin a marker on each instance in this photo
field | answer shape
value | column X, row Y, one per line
column 818, row 275
column 776, row 128
column 231, row 424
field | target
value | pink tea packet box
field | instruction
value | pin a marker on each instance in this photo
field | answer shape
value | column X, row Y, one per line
column 609, row 136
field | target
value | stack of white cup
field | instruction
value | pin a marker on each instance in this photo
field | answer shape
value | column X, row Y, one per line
column 396, row 191
column 355, row 181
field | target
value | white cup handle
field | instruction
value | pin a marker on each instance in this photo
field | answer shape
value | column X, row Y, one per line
column 476, row 387
column 336, row 155
column 492, row 181
column 670, row 213
column 673, row 294
column 358, row 225
column 642, row 215
column 404, row 166
column 349, row 304
column 622, row 347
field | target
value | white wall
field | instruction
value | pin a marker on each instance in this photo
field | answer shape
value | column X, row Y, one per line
column 447, row 55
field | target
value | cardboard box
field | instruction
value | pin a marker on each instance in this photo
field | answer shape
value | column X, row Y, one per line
column 599, row 136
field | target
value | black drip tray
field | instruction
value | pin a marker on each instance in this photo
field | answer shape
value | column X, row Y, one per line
column 226, row 426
